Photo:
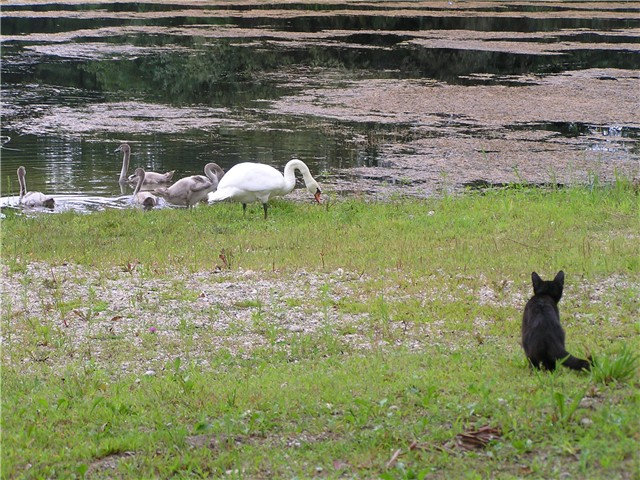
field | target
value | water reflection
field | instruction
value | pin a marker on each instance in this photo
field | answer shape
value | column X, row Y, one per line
column 89, row 166
column 186, row 85
column 77, row 203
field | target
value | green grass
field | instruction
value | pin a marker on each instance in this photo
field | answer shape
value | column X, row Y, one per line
column 364, row 337
column 620, row 367
column 514, row 231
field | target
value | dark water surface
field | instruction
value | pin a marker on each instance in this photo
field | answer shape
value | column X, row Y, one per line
column 188, row 85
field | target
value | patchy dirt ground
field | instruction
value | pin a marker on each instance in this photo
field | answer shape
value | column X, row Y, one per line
column 146, row 317
column 132, row 322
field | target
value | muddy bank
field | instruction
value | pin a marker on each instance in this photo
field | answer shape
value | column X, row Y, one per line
column 563, row 128
column 379, row 98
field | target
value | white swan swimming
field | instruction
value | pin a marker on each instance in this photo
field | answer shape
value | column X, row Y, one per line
column 150, row 177
column 191, row 190
column 256, row 182
column 145, row 199
column 32, row 199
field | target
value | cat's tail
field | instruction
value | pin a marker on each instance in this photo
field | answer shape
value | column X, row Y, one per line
column 575, row 363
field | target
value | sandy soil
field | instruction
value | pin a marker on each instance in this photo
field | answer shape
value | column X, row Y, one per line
column 150, row 316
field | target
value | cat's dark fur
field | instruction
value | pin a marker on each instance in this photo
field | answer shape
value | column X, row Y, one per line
column 542, row 334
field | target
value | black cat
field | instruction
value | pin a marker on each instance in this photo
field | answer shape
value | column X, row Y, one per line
column 542, row 334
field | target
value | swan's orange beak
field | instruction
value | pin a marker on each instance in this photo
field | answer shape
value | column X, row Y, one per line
column 317, row 196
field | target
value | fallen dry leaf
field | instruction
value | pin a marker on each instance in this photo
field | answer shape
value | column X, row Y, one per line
column 340, row 465
column 394, row 458
column 475, row 439
column 526, row 470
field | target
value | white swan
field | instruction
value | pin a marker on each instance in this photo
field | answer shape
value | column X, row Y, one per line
column 32, row 199
column 191, row 190
column 256, row 182
column 145, row 199
column 150, row 177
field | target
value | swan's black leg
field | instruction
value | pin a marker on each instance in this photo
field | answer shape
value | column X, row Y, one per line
column 244, row 209
column 264, row 206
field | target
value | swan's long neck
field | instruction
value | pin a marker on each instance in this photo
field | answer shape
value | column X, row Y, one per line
column 23, row 183
column 290, row 176
column 139, row 184
column 218, row 171
column 125, row 166
column 210, row 172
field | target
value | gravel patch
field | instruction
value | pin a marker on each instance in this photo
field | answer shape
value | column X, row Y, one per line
column 133, row 322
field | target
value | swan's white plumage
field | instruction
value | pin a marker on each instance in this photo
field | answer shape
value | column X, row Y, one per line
column 256, row 182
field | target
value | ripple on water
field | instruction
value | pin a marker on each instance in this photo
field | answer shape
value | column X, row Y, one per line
column 76, row 203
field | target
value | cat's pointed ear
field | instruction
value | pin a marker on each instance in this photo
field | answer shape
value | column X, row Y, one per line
column 559, row 278
column 536, row 281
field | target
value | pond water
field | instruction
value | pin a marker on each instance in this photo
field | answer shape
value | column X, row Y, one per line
column 188, row 83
